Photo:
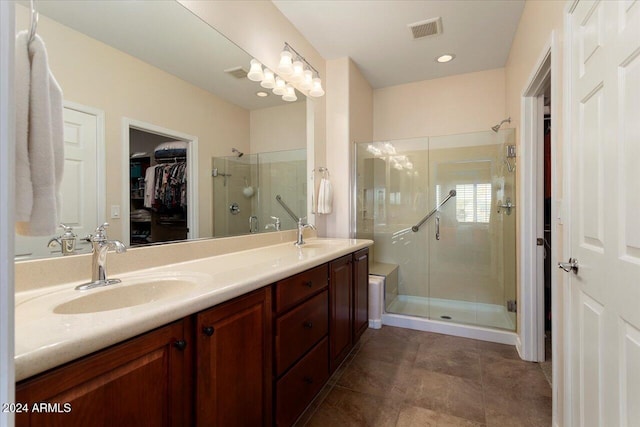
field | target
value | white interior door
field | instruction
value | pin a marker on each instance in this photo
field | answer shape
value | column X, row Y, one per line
column 604, row 182
column 79, row 185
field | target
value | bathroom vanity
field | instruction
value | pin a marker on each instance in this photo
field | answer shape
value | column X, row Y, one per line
column 256, row 358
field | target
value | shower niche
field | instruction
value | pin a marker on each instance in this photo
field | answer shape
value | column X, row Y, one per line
column 459, row 265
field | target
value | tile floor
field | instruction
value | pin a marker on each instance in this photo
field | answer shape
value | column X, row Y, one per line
column 400, row 377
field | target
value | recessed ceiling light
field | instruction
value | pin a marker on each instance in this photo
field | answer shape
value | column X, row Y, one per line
column 262, row 94
column 445, row 58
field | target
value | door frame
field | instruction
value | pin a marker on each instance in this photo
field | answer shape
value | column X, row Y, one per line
column 531, row 214
column 192, row 174
column 7, row 189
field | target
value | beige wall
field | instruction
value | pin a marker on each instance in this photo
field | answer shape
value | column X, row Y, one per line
column 278, row 128
column 98, row 76
column 458, row 104
column 349, row 118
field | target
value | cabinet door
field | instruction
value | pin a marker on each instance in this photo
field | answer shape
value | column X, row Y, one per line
column 360, row 293
column 144, row 381
column 233, row 362
column 340, row 324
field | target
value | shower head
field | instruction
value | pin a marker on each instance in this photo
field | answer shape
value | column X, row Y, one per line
column 496, row 128
column 238, row 152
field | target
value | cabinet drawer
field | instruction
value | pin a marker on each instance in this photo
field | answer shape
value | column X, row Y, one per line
column 299, row 386
column 296, row 288
column 298, row 330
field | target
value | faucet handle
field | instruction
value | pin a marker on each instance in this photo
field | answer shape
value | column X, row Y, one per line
column 68, row 232
column 101, row 233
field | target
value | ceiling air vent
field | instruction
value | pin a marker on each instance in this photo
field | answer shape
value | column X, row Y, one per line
column 428, row 28
column 237, row 72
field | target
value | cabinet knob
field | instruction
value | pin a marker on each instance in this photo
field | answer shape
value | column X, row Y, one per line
column 207, row 330
column 308, row 284
column 308, row 324
column 180, row 344
column 307, row 380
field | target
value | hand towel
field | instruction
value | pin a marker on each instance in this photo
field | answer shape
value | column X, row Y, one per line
column 325, row 197
column 44, row 141
column 24, row 190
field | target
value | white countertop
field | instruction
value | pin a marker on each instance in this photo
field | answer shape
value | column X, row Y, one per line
column 45, row 339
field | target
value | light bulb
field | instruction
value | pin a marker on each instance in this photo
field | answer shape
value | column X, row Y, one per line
column 269, row 81
column 316, row 90
column 307, row 80
column 298, row 69
column 286, row 66
column 255, row 73
column 290, row 94
column 280, row 88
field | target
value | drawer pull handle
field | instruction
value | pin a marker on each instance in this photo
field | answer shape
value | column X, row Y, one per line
column 208, row 330
column 308, row 284
column 180, row 344
column 307, row 380
column 308, row 324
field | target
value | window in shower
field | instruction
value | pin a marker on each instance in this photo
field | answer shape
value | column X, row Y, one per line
column 473, row 202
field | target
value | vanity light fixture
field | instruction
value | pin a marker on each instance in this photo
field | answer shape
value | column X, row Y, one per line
column 298, row 70
column 255, row 73
column 447, row 57
column 286, row 63
column 268, row 82
column 290, row 94
column 295, row 68
column 280, row 87
column 316, row 90
column 307, row 80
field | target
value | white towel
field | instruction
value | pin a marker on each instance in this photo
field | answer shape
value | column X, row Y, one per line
column 39, row 134
column 325, row 197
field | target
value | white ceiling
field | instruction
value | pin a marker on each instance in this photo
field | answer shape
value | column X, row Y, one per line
column 375, row 35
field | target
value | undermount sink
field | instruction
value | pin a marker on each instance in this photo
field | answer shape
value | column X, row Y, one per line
column 127, row 295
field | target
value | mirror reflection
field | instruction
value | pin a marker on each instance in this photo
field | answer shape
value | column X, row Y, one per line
column 149, row 87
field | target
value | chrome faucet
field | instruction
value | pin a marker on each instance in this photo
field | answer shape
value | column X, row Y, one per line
column 301, row 226
column 101, row 245
column 276, row 225
column 67, row 241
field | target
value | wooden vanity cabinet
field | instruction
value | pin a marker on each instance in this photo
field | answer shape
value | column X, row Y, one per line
column 143, row 381
column 233, row 362
column 340, row 325
column 360, row 293
column 301, row 342
column 218, row 367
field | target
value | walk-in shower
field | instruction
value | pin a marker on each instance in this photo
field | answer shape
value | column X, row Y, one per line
column 245, row 187
column 434, row 208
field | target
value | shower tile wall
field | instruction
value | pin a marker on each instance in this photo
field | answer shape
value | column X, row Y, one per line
column 230, row 188
column 288, row 179
column 270, row 174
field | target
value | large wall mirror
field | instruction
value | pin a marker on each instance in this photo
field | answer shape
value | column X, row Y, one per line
column 165, row 137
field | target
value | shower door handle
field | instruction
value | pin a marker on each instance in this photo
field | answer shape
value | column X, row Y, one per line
column 437, row 228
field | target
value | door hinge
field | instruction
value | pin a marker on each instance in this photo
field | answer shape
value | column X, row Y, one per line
column 512, row 306
column 540, row 241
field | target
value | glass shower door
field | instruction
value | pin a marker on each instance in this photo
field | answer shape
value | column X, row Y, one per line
column 467, row 236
